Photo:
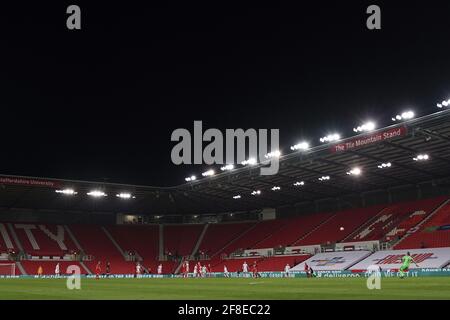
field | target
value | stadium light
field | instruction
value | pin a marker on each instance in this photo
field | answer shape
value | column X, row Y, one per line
column 300, row 146
column 251, row 161
column 97, row 194
column 407, row 115
column 330, row 138
column 324, row 178
column 421, row 157
column 354, row 172
column 208, row 173
column 273, row 154
column 237, row 196
column 368, row 126
column 125, row 195
column 276, row 188
column 191, row 178
column 299, row 183
column 256, row 192
column 228, row 167
column 385, row 165
column 444, row 103
column 69, row 192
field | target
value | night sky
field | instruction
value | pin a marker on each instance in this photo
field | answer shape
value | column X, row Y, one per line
column 101, row 103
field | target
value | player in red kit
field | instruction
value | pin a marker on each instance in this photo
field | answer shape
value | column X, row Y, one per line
column 98, row 270
column 183, row 269
column 199, row 268
column 255, row 271
column 308, row 273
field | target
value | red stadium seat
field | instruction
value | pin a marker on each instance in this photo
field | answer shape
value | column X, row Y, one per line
column 432, row 234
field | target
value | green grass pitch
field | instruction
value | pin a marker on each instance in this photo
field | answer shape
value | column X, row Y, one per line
column 228, row 289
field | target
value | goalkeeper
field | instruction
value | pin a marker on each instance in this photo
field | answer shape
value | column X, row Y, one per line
column 406, row 261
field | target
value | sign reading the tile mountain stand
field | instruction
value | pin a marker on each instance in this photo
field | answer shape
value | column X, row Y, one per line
column 369, row 139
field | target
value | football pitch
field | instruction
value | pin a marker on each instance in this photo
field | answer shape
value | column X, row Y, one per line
column 227, row 289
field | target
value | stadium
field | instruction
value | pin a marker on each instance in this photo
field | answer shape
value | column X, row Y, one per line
column 180, row 152
column 338, row 226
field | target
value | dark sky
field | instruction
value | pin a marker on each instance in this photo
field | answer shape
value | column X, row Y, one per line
column 101, row 103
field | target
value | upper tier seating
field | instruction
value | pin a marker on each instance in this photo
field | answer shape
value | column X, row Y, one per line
column 218, row 236
column 432, row 234
column 349, row 220
column 181, row 239
column 3, row 247
column 253, row 235
column 94, row 241
column 292, row 230
column 396, row 214
column 43, row 237
column 141, row 239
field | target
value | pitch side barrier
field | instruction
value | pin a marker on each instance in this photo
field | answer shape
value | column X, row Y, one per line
column 419, row 272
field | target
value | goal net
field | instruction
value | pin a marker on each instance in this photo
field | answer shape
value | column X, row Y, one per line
column 7, row 269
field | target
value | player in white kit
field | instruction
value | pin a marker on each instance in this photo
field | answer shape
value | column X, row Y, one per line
column 245, row 269
column 225, row 272
column 204, row 271
column 138, row 270
column 287, row 269
column 57, row 271
column 195, row 271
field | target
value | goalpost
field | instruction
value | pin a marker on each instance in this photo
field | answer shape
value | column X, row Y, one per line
column 7, row 269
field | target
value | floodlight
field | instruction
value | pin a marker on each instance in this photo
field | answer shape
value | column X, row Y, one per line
column 125, row 195
column 251, row 161
column 69, row 192
column 300, row 146
column 97, row 194
column 227, row 167
column 368, row 126
column 384, row 165
column 330, row 138
column 421, row 157
column 273, row 154
column 407, row 115
column 354, row 172
column 208, row 173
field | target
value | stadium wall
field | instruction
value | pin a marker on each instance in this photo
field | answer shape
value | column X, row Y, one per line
column 367, row 199
column 56, row 217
